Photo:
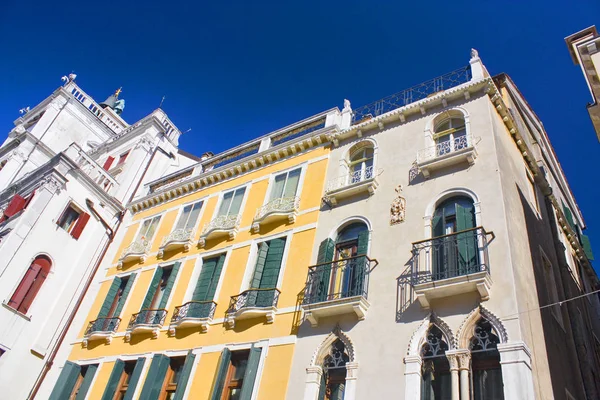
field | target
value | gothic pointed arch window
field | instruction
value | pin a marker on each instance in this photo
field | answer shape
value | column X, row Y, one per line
column 455, row 247
column 485, row 362
column 333, row 379
column 436, row 383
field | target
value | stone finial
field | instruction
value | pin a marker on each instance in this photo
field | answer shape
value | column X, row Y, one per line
column 474, row 53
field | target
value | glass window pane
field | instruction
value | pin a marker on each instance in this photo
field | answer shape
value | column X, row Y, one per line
column 144, row 229
column 183, row 217
column 152, row 228
column 278, row 185
column 225, row 203
column 193, row 218
column 236, row 203
column 292, row 183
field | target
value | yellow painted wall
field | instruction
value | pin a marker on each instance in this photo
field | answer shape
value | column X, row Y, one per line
column 274, row 379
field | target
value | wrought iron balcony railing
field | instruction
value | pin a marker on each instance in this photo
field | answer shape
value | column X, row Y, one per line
column 222, row 223
column 415, row 93
column 261, row 298
column 339, row 279
column 353, row 178
column 148, row 317
column 194, row 309
column 444, row 148
column 448, row 256
column 285, row 207
column 103, row 325
column 137, row 249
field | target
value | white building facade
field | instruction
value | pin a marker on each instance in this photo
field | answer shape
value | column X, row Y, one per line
column 448, row 235
column 67, row 169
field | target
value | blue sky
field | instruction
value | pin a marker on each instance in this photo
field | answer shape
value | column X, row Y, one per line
column 234, row 70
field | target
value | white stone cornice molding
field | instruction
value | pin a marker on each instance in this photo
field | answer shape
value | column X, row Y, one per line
column 17, row 155
column 466, row 329
column 146, row 143
column 58, row 103
column 53, row 185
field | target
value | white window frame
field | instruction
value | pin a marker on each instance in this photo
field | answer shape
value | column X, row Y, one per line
column 200, row 214
column 131, row 275
column 233, row 189
column 303, row 168
column 141, row 223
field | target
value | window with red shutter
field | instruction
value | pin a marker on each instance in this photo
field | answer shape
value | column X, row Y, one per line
column 108, row 163
column 123, row 157
column 30, row 284
column 16, row 204
column 80, row 224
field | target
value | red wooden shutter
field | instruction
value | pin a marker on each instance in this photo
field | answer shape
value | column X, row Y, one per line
column 80, row 224
column 17, row 298
column 108, row 163
column 28, row 199
column 35, row 288
column 16, row 204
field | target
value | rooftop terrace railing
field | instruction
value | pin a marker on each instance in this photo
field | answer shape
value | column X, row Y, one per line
column 415, row 93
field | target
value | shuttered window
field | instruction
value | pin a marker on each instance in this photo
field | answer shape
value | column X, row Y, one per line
column 74, row 382
column 236, row 375
column 160, row 287
column 116, row 296
column 17, row 203
column 31, row 284
column 73, row 220
column 208, row 280
column 266, row 271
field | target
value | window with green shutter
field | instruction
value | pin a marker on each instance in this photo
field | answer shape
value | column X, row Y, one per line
column 184, row 376
column 74, row 381
column 155, row 377
column 587, row 247
column 113, row 380
column 236, row 374
column 134, row 378
column 266, row 272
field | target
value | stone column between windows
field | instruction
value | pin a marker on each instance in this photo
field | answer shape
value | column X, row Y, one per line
column 351, row 375
column 412, row 373
column 453, row 360
column 515, row 361
column 313, row 382
column 464, row 366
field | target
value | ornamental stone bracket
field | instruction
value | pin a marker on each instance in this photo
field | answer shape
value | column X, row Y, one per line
column 398, row 208
column 107, row 339
column 154, row 331
column 291, row 218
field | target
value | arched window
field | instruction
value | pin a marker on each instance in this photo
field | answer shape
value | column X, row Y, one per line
column 485, row 363
column 360, row 162
column 436, row 381
column 454, row 243
column 30, row 284
column 333, row 379
column 450, row 133
column 349, row 272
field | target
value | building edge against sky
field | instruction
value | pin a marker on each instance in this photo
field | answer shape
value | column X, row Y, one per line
column 207, row 288
column 584, row 47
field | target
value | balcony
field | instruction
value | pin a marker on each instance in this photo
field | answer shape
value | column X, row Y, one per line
column 102, row 328
column 458, row 150
column 282, row 209
column 146, row 321
column 93, row 170
column 450, row 265
column 222, row 226
column 252, row 303
column 178, row 239
column 191, row 314
column 363, row 181
column 337, row 288
column 136, row 251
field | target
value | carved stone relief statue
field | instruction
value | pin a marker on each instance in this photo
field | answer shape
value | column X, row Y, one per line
column 398, row 209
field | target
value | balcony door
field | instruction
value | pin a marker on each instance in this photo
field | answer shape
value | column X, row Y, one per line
column 361, row 164
column 450, row 135
column 454, row 253
column 285, row 185
column 349, row 270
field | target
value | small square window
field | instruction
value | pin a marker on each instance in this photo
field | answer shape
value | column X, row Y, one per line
column 69, row 218
column 122, row 158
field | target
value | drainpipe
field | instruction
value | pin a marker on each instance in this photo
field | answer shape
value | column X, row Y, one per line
column 111, row 235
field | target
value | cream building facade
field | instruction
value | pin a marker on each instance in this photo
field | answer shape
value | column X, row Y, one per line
column 67, row 169
column 447, row 231
column 584, row 47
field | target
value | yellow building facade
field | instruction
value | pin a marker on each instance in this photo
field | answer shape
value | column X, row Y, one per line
column 201, row 299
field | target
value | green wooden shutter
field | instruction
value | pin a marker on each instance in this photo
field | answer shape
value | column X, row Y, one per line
column 219, row 381
column 360, row 266
column 215, row 278
column 250, row 374
column 113, row 381
column 184, row 376
column 135, row 377
column 87, row 382
column 587, row 247
column 326, row 253
column 110, row 298
column 437, row 229
column 467, row 244
column 204, row 280
column 169, row 287
column 156, row 376
column 270, row 272
column 437, row 225
column 152, row 289
column 261, row 259
column 66, row 381
column 322, row 386
column 569, row 216
column 124, row 295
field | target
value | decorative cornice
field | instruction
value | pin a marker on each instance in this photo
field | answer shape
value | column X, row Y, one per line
column 239, row 167
column 465, row 331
